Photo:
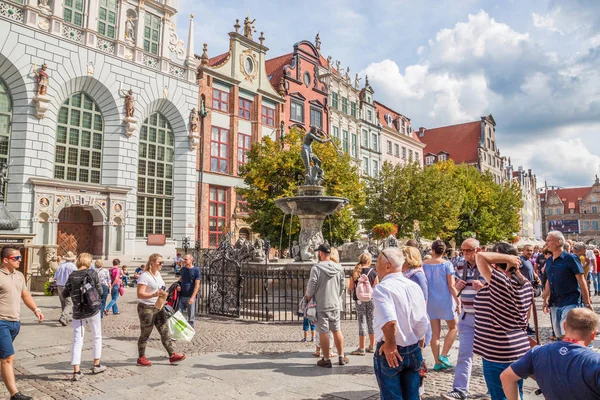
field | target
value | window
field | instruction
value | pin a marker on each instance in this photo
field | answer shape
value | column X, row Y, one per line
column 429, row 160
column 151, row 33
column 389, row 147
column 594, row 209
column 345, row 105
column 155, row 177
column 365, row 165
column 365, row 135
column 244, row 108
column 354, row 147
column 107, row 18
column 297, row 111
column 242, row 204
column 268, row 116
column 78, row 155
column 73, row 12
column 442, row 157
column 410, row 155
column 375, row 167
column 548, row 211
column 336, row 132
column 353, row 109
column 558, row 211
column 374, row 142
column 5, row 123
column 397, row 150
column 403, row 153
column 334, row 100
column 220, row 100
column 369, row 115
column 219, row 150
column 345, row 141
column 217, row 216
column 316, row 117
column 244, row 144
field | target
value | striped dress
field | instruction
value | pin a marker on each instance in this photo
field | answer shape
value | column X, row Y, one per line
column 501, row 319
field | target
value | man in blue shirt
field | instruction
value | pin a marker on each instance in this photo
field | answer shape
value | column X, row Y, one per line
column 190, row 282
column 565, row 285
column 563, row 370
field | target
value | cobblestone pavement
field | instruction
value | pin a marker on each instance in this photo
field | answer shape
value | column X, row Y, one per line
column 226, row 359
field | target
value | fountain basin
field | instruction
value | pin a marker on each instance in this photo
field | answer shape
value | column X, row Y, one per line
column 311, row 205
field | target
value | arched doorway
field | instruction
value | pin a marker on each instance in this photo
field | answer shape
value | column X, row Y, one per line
column 75, row 231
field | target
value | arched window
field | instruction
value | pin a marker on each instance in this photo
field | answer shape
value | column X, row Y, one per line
column 5, row 122
column 155, row 177
column 79, row 140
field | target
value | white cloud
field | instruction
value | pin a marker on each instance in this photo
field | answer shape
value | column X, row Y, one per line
column 546, row 22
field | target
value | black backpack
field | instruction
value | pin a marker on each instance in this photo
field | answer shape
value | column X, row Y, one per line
column 90, row 298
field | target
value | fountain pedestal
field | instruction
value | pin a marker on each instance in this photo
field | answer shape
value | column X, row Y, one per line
column 312, row 207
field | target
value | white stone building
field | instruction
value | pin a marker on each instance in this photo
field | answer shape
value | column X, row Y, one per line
column 86, row 174
column 370, row 132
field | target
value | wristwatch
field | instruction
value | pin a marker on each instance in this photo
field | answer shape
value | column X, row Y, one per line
column 36, row 310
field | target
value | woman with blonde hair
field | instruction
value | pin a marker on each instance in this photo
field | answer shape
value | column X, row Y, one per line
column 364, row 309
column 149, row 285
column 82, row 313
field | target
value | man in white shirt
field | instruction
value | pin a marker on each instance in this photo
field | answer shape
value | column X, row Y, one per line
column 60, row 276
column 400, row 323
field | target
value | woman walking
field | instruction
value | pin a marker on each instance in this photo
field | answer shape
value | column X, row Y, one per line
column 84, row 315
column 149, row 285
column 115, row 284
column 364, row 309
column 104, row 277
column 501, row 308
column 443, row 303
column 413, row 270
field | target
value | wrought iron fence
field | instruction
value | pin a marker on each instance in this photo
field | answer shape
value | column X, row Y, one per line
column 262, row 295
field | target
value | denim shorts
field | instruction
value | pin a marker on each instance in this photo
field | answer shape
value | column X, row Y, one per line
column 558, row 316
column 8, row 332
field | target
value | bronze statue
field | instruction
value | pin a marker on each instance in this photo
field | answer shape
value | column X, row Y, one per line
column 194, row 120
column 248, row 26
column 313, row 173
column 129, row 104
column 42, row 80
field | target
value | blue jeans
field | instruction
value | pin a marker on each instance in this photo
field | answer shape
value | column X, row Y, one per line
column 596, row 278
column 558, row 316
column 190, row 308
column 462, row 372
column 491, row 373
column 114, row 295
column 402, row 382
column 125, row 280
column 103, row 299
column 8, row 332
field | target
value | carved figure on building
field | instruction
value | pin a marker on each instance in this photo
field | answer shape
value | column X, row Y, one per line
column 329, row 64
column 318, row 41
column 194, row 120
column 313, row 173
column 248, row 27
column 129, row 103
column 43, row 80
column 348, row 74
column 51, row 259
column 43, row 5
column 130, row 29
column 3, row 179
column 356, row 81
column 258, row 254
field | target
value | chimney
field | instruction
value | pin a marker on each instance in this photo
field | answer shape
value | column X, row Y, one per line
column 421, row 131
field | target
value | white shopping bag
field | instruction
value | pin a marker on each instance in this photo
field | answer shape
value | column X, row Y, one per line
column 179, row 327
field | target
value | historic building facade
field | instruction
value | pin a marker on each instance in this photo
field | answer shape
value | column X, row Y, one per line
column 531, row 213
column 240, row 107
column 370, row 132
column 94, row 104
column 472, row 143
column 573, row 211
column 400, row 143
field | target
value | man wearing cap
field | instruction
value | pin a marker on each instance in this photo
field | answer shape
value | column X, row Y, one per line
column 60, row 276
column 326, row 284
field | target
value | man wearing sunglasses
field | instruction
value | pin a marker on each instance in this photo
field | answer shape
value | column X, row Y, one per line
column 12, row 290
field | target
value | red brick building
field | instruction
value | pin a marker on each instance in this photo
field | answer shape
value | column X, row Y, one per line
column 296, row 76
column 242, row 108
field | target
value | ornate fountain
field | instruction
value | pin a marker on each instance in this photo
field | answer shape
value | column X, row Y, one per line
column 311, row 204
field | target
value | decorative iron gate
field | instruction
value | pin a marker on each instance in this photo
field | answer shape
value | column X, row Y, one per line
column 224, row 278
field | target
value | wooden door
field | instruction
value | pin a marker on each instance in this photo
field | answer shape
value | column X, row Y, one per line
column 74, row 231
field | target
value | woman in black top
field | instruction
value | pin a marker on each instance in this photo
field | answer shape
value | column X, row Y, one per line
column 83, row 314
column 364, row 309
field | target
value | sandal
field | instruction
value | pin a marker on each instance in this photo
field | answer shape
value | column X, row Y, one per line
column 332, row 355
column 370, row 350
column 316, row 354
column 358, row 352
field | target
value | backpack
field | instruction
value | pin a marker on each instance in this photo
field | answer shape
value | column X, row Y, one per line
column 364, row 290
column 90, row 298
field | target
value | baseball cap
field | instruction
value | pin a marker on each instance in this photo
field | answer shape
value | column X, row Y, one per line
column 324, row 247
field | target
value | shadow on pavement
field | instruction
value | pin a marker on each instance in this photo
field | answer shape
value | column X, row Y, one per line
column 292, row 369
column 360, row 394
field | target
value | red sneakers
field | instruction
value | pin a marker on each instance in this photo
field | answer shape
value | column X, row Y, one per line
column 143, row 361
column 176, row 358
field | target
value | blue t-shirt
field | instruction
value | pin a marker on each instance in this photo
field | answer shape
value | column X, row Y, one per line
column 526, row 268
column 562, row 370
column 189, row 276
column 561, row 273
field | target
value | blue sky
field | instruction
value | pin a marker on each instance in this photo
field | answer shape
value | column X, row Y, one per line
column 534, row 65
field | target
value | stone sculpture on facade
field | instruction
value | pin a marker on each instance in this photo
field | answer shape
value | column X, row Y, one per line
column 130, row 29
column 248, row 27
column 356, row 82
column 51, row 259
column 313, row 173
column 43, row 6
column 41, row 99
column 318, row 41
column 130, row 121
column 194, row 137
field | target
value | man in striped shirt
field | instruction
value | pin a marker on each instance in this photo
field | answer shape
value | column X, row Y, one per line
column 468, row 282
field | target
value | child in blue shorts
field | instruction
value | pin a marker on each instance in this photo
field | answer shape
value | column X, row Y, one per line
column 306, row 324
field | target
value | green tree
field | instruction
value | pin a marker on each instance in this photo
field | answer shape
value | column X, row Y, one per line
column 275, row 170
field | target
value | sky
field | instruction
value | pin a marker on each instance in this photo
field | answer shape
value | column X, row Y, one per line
column 534, row 65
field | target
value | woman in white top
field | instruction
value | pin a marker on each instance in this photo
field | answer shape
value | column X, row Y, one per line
column 149, row 285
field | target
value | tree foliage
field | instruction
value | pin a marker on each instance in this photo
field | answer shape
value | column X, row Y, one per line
column 275, row 170
column 449, row 201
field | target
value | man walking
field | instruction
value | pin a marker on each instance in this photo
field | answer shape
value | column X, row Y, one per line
column 60, row 276
column 565, row 285
column 400, row 323
column 326, row 284
column 189, row 282
column 468, row 283
column 528, row 271
column 12, row 290
column 563, row 370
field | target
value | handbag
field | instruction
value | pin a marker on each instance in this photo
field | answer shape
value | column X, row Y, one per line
column 302, row 307
column 121, row 291
column 311, row 311
column 179, row 327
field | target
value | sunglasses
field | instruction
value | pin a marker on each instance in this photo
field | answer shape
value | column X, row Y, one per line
column 160, row 262
column 467, row 250
column 386, row 257
column 16, row 258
